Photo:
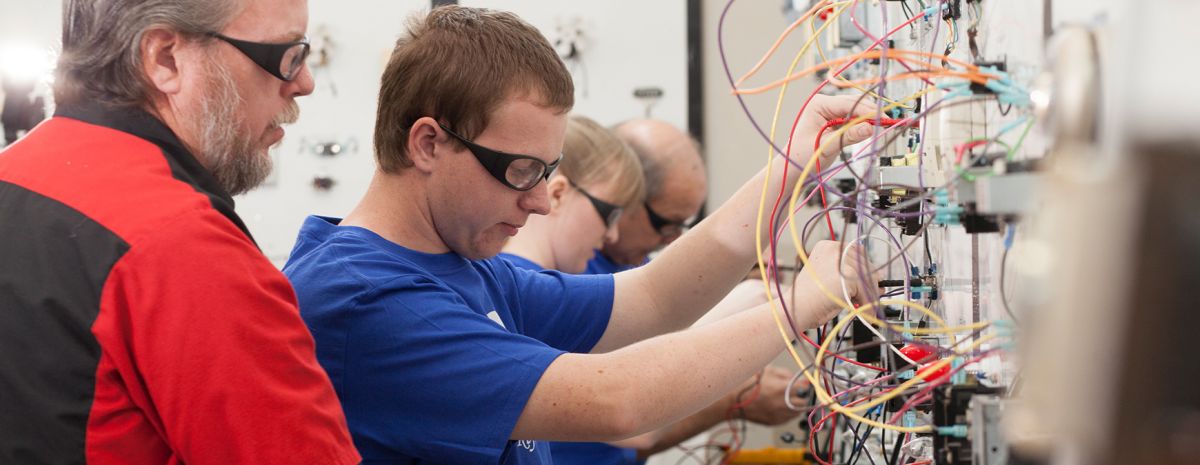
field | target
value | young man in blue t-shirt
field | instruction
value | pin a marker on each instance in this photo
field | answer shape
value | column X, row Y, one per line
column 442, row 353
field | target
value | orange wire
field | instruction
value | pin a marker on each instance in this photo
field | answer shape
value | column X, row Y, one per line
column 915, row 75
column 974, row 75
column 779, row 41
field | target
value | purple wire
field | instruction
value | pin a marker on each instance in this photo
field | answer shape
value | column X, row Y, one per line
column 733, row 85
column 862, row 207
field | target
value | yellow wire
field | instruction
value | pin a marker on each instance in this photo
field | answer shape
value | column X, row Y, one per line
column 821, row 394
column 774, row 306
column 799, row 185
column 852, row 412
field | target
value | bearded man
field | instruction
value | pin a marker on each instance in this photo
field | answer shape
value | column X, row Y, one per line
column 139, row 322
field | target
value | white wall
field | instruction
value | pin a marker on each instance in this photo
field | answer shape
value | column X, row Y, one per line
column 362, row 37
column 626, row 44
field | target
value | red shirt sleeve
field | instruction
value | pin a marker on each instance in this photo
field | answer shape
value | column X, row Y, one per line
column 204, row 351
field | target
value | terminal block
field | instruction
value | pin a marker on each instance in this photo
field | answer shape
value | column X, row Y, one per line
column 952, row 421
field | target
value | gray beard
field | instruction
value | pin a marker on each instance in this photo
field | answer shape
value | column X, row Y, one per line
column 226, row 146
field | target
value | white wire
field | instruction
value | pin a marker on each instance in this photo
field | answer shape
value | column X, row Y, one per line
column 787, row 393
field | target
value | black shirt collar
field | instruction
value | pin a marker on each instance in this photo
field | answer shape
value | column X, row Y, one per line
column 184, row 166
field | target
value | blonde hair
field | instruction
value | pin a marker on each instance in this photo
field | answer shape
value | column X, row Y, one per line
column 592, row 154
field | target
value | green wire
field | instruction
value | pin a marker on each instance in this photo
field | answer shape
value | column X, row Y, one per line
column 1012, row 151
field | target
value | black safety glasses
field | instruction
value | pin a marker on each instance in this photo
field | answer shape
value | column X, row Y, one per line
column 518, row 172
column 283, row 61
column 608, row 212
column 664, row 226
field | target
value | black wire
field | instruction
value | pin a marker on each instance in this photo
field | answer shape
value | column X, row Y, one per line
column 928, row 253
column 864, row 447
column 858, row 450
column 908, row 14
column 857, row 440
column 896, row 449
column 1003, row 109
column 1003, row 294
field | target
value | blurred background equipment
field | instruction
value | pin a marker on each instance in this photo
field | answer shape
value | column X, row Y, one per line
column 23, row 70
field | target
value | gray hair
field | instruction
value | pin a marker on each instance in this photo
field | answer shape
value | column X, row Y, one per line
column 101, row 56
column 652, row 169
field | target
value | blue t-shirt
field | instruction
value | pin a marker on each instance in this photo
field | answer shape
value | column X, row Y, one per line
column 432, row 355
column 583, row 453
column 599, row 264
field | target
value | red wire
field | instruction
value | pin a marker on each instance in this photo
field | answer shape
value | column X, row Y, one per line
column 796, row 122
column 774, row 268
column 735, row 443
column 832, row 433
column 888, row 122
column 960, row 149
column 840, row 357
column 815, row 427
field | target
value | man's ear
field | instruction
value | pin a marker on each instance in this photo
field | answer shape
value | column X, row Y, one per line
column 161, row 59
column 423, row 139
column 556, row 188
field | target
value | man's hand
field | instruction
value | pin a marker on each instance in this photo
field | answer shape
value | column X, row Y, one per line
column 822, row 109
column 769, row 407
column 825, row 264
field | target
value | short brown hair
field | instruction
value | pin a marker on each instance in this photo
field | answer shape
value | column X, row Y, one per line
column 458, row 65
column 592, row 154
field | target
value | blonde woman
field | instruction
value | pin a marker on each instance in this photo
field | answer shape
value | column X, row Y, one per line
column 598, row 178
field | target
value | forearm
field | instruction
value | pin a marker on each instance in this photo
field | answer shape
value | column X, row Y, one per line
column 650, row 384
column 689, row 427
column 745, row 296
column 696, row 271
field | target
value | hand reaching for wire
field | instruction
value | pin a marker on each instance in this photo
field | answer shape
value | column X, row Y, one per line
column 769, row 407
column 820, row 111
column 814, row 305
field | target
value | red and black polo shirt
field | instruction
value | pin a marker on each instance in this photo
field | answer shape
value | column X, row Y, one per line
column 139, row 322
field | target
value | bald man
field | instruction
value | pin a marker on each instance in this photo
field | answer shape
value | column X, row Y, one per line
column 676, row 187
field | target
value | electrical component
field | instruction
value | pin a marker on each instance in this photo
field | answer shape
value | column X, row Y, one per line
column 953, row 10
column 951, row 416
column 1001, row 66
column 915, row 185
column 847, row 186
column 978, row 223
column 1007, row 195
column 989, row 444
